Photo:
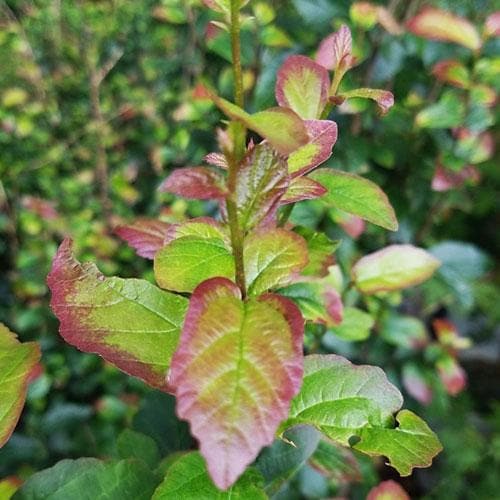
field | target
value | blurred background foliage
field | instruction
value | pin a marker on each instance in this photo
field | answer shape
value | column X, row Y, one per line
column 99, row 100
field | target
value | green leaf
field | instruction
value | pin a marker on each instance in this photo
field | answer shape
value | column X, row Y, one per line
column 448, row 112
column 238, row 365
column 272, row 258
column 17, row 361
column 129, row 322
column 132, row 444
column 410, row 445
column 282, row 127
column 185, row 262
column 262, row 180
column 339, row 398
column 87, row 478
column 355, row 326
column 393, row 268
column 383, row 98
column 357, row 196
column 187, row 479
column 8, row 487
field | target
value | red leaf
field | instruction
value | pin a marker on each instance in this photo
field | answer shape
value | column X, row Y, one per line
column 302, row 188
column 445, row 179
column 416, row 384
column 199, row 183
column 334, row 305
column 145, row 235
column 217, row 160
column 452, row 375
column 238, row 366
column 388, row 490
column 336, row 50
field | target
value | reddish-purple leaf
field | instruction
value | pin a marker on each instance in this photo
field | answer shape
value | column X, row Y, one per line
column 199, row 183
column 336, row 50
column 383, row 98
column 453, row 72
column 492, row 25
column 144, row 235
column 452, row 375
column 388, row 490
column 302, row 85
column 43, row 208
column 441, row 25
column 129, row 322
column 217, row 160
column 445, row 179
column 415, row 383
column 322, row 138
column 238, row 366
column 302, row 188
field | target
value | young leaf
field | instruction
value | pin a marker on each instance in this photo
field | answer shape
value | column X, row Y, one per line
column 452, row 375
column 187, row 479
column 339, row 398
column 357, row 196
column 453, row 72
column 202, row 227
column 393, row 268
column 185, row 262
column 282, row 127
column 272, row 258
column 322, row 138
column 238, row 366
column 262, row 180
column 388, row 490
column 300, row 189
column 437, row 24
column 335, row 51
column 199, row 183
column 416, row 384
column 129, row 322
column 17, row 362
column 302, row 85
column 410, row 445
column 144, row 235
column 383, row 98
column 90, row 478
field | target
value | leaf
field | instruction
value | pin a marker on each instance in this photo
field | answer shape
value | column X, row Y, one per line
column 393, row 268
column 357, row 196
column 320, row 250
column 185, row 262
column 355, row 326
column 199, row 183
column 453, row 72
column 335, row 51
column 187, row 479
column 416, row 384
column 492, row 25
column 272, row 258
column 388, row 490
column 90, row 478
column 17, row 362
column 452, row 375
column 404, row 331
column 132, row 444
column 410, row 445
column 441, row 25
column 8, row 486
column 300, row 189
column 282, row 127
column 129, row 322
column 203, row 227
column 340, row 399
column 322, row 138
column 302, row 85
column 262, row 180
column 144, row 235
column 448, row 112
column 280, row 461
column 235, row 372
column 383, row 98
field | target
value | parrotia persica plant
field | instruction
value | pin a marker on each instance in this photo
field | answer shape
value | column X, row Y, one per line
column 223, row 329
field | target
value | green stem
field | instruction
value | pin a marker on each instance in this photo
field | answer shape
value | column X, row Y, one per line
column 237, row 236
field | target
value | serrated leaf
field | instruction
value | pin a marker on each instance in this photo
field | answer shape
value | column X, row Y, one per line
column 282, row 127
column 203, row 227
column 90, row 478
column 355, row 326
column 262, row 180
column 144, row 235
column 184, row 263
column 340, row 399
column 302, row 85
column 410, row 445
column 199, row 183
column 322, row 138
column 187, row 479
column 357, row 196
column 393, row 268
column 272, row 258
column 17, row 362
column 437, row 24
column 336, row 50
column 300, row 189
column 383, row 98
column 129, row 322
column 238, row 366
